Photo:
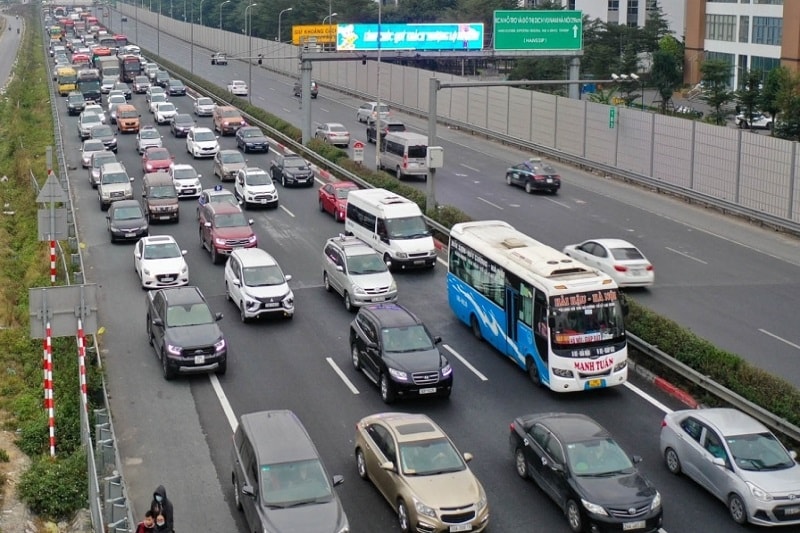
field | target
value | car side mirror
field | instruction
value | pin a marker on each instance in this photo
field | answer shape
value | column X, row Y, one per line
column 385, row 239
column 340, row 268
column 388, row 465
column 199, row 176
column 251, row 222
column 237, row 282
column 437, row 339
column 247, row 490
column 338, row 479
column 158, row 322
column 636, row 459
column 207, row 224
column 793, row 454
column 137, row 255
column 719, row 461
column 130, row 179
column 144, row 194
column 467, row 457
column 288, row 277
column 218, row 316
column 108, row 217
column 551, row 322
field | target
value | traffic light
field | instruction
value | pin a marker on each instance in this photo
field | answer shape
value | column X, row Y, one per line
column 364, row 59
column 260, row 59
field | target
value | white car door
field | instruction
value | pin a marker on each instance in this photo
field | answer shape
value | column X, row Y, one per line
column 137, row 258
column 233, row 271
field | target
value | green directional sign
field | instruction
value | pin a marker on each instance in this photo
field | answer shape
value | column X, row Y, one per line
column 538, row 30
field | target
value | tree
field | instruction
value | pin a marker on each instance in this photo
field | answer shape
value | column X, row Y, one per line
column 750, row 93
column 716, row 91
column 543, row 68
column 777, row 78
column 670, row 44
column 656, row 27
column 604, row 96
column 788, row 101
column 665, row 76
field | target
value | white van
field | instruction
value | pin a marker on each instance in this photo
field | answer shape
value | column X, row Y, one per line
column 392, row 225
column 405, row 153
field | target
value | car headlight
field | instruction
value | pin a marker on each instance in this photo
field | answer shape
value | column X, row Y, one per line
column 358, row 290
column 562, row 372
column 594, row 508
column 114, row 228
column 288, row 302
column 481, row 503
column 656, row 503
column 401, row 255
column 146, row 272
column 759, row 493
column 149, row 166
column 393, row 286
column 447, row 370
column 424, row 509
column 185, row 269
column 252, row 238
column 174, row 350
column 219, row 345
column 344, row 529
column 620, row 366
column 219, row 241
column 197, row 183
column 399, row 375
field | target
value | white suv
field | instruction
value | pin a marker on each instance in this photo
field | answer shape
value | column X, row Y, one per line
column 186, row 180
column 256, row 284
column 357, row 272
column 114, row 185
column 253, row 186
column 201, row 142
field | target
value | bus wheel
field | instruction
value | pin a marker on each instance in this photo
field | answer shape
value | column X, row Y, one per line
column 476, row 327
column 533, row 372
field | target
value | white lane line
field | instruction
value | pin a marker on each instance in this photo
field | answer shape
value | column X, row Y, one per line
column 687, row 256
column 441, row 261
column 324, row 110
column 223, row 401
column 790, row 343
column 465, row 362
column 469, row 167
column 288, row 110
column 261, row 98
column 646, row 397
column 341, row 375
column 562, row 204
column 287, row 211
column 490, row 203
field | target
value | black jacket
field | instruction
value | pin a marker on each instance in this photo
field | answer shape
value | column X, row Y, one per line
column 163, row 507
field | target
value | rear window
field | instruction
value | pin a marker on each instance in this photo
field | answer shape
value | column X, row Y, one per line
column 418, row 152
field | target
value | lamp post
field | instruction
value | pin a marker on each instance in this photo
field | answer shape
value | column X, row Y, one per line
column 378, row 97
column 637, row 78
column 158, row 30
column 201, row 11
column 249, row 24
column 330, row 18
column 220, row 21
column 279, row 21
column 184, row 9
column 191, row 40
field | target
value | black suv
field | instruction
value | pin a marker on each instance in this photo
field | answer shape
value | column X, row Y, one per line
column 386, row 126
column 184, row 332
column 75, row 103
column 395, row 350
column 291, row 169
column 181, row 123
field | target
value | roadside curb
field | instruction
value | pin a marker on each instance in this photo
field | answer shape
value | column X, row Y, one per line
column 664, row 385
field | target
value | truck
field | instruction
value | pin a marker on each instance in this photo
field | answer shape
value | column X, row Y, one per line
column 109, row 66
column 66, row 79
column 130, row 66
column 89, row 84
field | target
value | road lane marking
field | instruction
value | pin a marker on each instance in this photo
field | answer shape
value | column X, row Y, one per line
column 490, row 203
column 260, row 98
column 341, row 375
column 223, row 401
column 646, row 397
column 790, row 343
column 687, row 256
column 562, row 204
column 469, row 167
column 460, row 175
column 324, row 110
column 465, row 362
column 287, row 211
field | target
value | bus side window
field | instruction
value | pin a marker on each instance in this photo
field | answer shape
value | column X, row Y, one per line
column 540, row 312
column 381, row 228
column 526, row 309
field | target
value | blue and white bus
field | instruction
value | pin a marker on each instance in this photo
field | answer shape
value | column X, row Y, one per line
column 559, row 320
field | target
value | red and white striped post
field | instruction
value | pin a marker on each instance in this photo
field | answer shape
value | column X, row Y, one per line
column 82, row 364
column 48, row 388
column 53, row 270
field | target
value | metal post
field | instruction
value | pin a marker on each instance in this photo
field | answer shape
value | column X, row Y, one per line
column 201, row 11
column 220, row 22
column 305, row 98
column 279, row 21
column 191, row 38
column 575, row 74
column 692, row 151
column 378, row 97
column 158, row 30
column 792, row 177
column 430, row 197
column 249, row 22
column 136, row 31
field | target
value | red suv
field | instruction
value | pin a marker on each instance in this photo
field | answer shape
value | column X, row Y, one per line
column 224, row 228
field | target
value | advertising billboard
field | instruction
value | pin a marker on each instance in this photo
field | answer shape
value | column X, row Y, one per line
column 466, row 36
column 323, row 33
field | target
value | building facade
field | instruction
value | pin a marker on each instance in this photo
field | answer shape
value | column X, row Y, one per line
column 748, row 34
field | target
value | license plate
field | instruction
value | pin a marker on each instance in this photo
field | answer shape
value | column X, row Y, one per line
column 549, row 180
column 593, row 384
column 167, row 279
column 419, row 262
column 269, row 305
column 130, row 235
column 164, row 217
column 461, row 527
column 791, row 510
column 431, row 390
column 378, row 299
column 199, row 359
column 263, row 200
column 636, row 272
column 627, row 526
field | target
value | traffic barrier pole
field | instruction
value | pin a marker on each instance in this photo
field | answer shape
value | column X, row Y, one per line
column 48, row 388
column 53, row 270
column 82, row 364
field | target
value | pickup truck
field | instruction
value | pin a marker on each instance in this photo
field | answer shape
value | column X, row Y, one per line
column 184, row 332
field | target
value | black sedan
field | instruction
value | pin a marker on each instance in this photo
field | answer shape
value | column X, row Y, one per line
column 175, row 87
column 534, row 175
column 127, row 221
column 576, row 462
column 251, row 139
column 180, row 124
column 291, row 169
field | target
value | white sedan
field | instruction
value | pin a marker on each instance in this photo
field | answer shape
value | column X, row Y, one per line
column 621, row 260
column 159, row 262
column 237, row 88
column 204, row 107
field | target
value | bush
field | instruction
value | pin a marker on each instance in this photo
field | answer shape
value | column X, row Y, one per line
column 55, row 488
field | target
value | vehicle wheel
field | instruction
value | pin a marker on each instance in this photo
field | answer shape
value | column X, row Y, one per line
column 508, row 179
column 242, row 314
column 387, row 259
column 149, row 332
column 227, row 292
column 528, row 188
column 402, row 517
column 521, row 463
column 533, row 372
column 222, row 368
column 214, row 255
column 355, row 357
column 398, row 174
column 476, row 327
column 387, row 392
column 672, row 461
column 337, row 217
column 361, row 464
column 236, row 492
column 348, row 303
column 574, row 517
column 283, row 181
column 322, row 207
column 202, row 242
column 737, row 509
column 326, row 282
column 169, row 373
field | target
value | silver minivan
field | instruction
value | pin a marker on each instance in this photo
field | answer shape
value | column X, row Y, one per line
column 357, row 272
column 404, row 153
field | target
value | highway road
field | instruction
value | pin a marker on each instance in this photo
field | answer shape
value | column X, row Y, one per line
column 179, row 433
column 728, row 281
column 9, row 42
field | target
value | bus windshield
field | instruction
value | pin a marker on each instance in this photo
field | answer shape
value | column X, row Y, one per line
column 583, row 319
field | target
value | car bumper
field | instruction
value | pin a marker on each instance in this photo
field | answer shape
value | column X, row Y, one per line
column 209, row 363
column 165, row 280
column 204, row 112
column 645, row 279
column 304, row 181
column 226, row 250
column 649, row 523
column 267, row 202
column 129, row 235
column 257, row 309
column 188, row 192
column 414, row 262
column 181, row 132
column 257, row 147
column 230, row 129
column 411, row 390
column 365, row 299
column 425, row 524
column 128, row 128
column 164, row 216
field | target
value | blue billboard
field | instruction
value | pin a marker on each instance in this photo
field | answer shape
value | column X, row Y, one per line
column 468, row 36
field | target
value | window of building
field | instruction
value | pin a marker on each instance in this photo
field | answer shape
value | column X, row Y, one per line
column 764, row 64
column 773, row 2
column 721, row 27
column 767, row 30
column 721, row 56
column 744, row 29
column 613, row 5
column 726, row 1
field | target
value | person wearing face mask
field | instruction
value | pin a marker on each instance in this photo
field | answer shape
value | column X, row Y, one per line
column 161, row 525
column 162, row 506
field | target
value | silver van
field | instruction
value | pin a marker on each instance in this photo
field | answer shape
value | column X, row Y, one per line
column 404, row 153
column 357, row 272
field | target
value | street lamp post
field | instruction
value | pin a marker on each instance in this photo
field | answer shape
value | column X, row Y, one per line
column 634, row 76
column 201, row 11
column 158, row 30
column 329, row 18
column 191, row 40
column 279, row 21
column 249, row 23
column 220, row 22
column 378, row 97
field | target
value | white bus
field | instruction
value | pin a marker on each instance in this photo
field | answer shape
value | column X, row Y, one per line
column 559, row 320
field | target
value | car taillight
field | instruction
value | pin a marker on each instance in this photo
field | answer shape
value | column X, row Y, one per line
column 538, row 177
column 650, row 268
column 663, row 422
column 511, row 426
column 405, row 161
column 620, row 268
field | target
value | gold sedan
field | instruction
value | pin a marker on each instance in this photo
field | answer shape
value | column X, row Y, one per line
column 421, row 474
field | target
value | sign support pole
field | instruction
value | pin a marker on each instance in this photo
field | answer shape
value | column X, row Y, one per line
column 430, row 189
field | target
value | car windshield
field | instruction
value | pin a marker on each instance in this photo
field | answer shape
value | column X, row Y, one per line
column 97, row 162
column 158, row 97
column 358, row 265
column 131, row 113
column 383, row 109
column 162, row 191
column 128, row 213
column 626, row 254
column 230, row 220
column 90, row 118
column 175, row 83
column 263, row 276
column 166, row 107
column 429, row 457
column 258, row 178
column 149, row 134
column 759, row 451
column 141, row 79
column 597, row 458
column 189, row 315
column 294, row 484
column 229, row 113
column 252, row 132
column 184, row 173
column 183, row 120
column 232, row 157
column 102, row 131
column 406, row 339
column 93, row 146
column 295, row 162
column 342, row 192
column 115, row 177
column 75, row 98
column 204, row 136
column 406, row 228
column 205, row 101
column 337, row 129
column 157, row 155
column 167, row 250
column 575, row 327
